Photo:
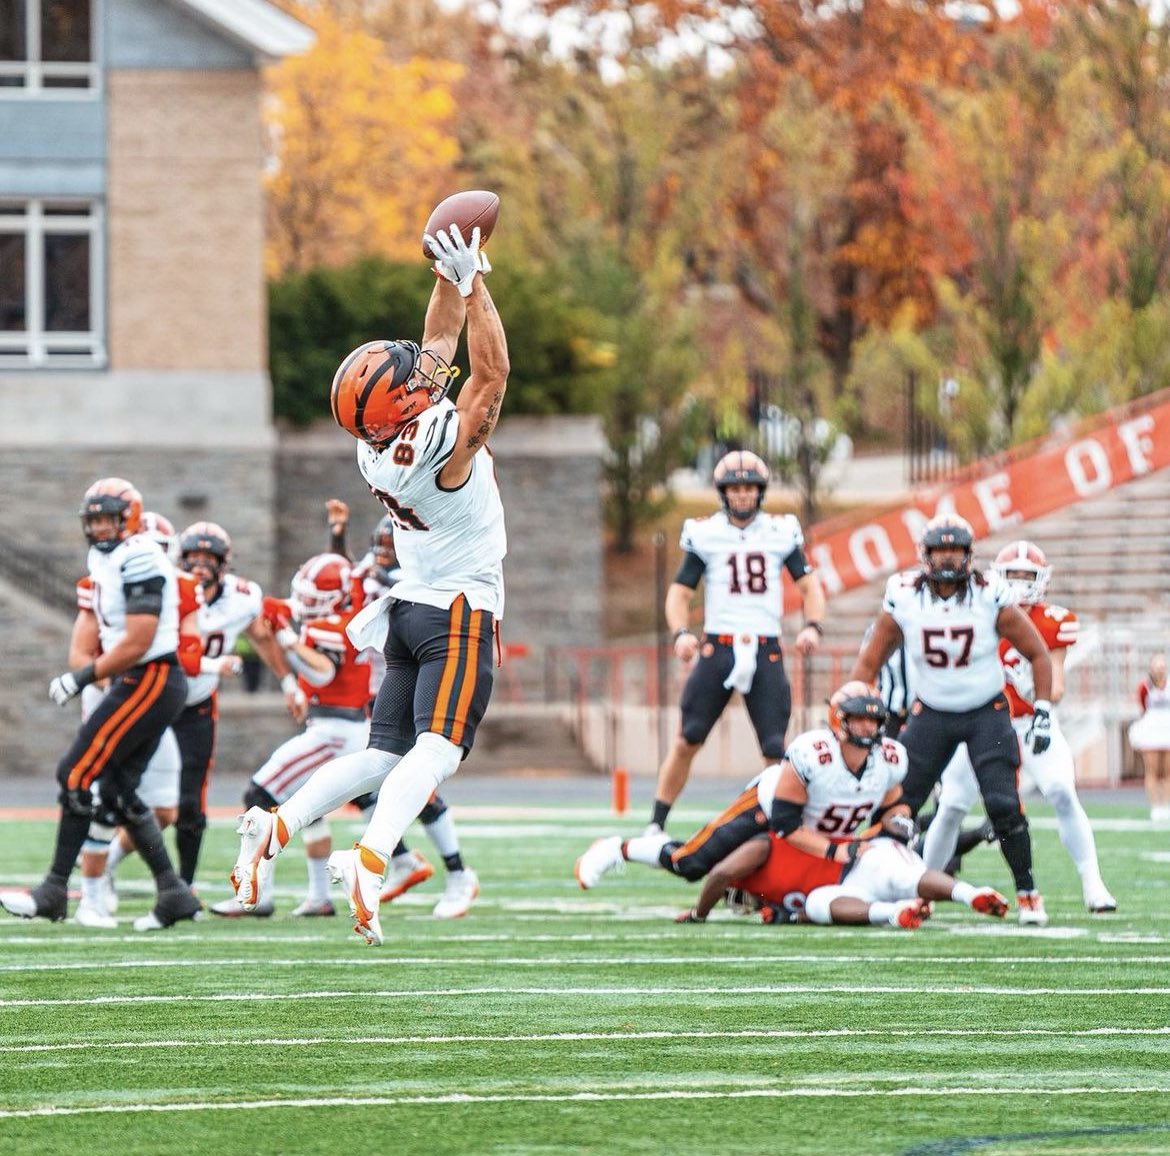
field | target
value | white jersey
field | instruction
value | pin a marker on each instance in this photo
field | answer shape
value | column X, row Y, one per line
column 221, row 622
column 742, row 582
column 841, row 803
column 448, row 542
column 952, row 644
column 130, row 563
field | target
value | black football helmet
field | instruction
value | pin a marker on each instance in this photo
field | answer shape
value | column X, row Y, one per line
column 946, row 532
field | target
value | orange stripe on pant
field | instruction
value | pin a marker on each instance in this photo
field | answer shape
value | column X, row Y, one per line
column 105, row 742
column 747, row 800
column 460, row 671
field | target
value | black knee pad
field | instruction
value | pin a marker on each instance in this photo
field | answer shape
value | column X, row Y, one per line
column 191, row 822
column 1007, row 824
column 432, row 811
column 257, row 796
column 78, row 801
column 122, row 810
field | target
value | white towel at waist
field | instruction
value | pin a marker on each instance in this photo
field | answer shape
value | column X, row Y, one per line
column 743, row 670
column 371, row 625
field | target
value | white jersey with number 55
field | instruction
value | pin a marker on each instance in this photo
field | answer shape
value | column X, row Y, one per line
column 448, row 542
column 840, row 803
column 952, row 644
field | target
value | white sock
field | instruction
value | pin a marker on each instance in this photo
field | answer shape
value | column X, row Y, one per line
column 318, row 880
column 116, row 854
column 91, row 889
column 646, row 849
column 942, row 837
column 881, row 912
column 335, row 784
column 963, row 892
column 442, row 833
column 405, row 790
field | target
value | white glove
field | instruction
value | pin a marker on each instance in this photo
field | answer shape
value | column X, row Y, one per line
column 286, row 637
column 458, row 261
column 66, row 686
column 63, row 688
column 1040, row 732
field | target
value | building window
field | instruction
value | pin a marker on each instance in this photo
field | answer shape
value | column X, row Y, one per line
column 51, row 287
column 46, row 45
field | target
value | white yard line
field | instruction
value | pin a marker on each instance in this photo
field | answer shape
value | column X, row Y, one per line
column 773, row 991
column 819, row 1091
column 616, row 1037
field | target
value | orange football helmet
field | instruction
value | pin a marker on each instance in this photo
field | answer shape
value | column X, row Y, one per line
column 857, row 699
column 741, row 468
column 946, row 532
column 320, row 587
column 112, row 496
column 1025, row 569
column 205, row 538
column 382, row 385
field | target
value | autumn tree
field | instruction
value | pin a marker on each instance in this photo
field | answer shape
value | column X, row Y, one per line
column 361, row 144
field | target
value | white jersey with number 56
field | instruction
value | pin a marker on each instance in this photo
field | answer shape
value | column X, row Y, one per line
column 952, row 644
column 840, row 803
column 448, row 542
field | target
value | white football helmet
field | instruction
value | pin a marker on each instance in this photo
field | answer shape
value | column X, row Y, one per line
column 320, row 587
column 1025, row 569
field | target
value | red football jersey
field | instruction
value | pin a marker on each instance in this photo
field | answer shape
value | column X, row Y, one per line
column 1058, row 627
column 351, row 684
column 789, row 873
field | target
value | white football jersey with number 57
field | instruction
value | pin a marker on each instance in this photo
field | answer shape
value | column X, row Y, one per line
column 952, row 644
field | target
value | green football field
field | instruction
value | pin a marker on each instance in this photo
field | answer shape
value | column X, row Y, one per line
column 556, row 1021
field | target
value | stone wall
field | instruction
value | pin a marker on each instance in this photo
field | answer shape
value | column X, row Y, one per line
column 273, row 506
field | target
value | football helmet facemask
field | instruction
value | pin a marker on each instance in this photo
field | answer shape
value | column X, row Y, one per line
column 741, row 468
column 382, row 385
column 205, row 538
column 857, row 700
column 1025, row 569
column 946, row 532
column 320, row 587
column 112, row 496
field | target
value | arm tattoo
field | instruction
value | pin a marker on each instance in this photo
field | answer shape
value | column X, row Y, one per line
column 487, row 425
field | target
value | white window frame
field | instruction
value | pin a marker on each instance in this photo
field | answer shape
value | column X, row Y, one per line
column 35, row 72
column 35, row 347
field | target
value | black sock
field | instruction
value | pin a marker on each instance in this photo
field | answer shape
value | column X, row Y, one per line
column 71, row 832
column 1017, row 850
column 661, row 810
column 148, row 842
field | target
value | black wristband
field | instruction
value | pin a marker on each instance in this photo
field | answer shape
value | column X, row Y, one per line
column 681, row 631
column 84, row 675
column 816, row 626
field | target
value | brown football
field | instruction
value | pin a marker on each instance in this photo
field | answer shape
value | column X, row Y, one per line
column 474, row 207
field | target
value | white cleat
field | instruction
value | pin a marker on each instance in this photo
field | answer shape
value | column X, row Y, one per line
column 602, row 856
column 1099, row 901
column 94, row 915
column 458, row 896
column 234, row 909
column 1030, row 908
column 19, row 903
column 109, row 894
column 254, row 864
column 359, row 872
column 404, row 872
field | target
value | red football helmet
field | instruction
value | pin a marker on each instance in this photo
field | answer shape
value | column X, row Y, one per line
column 741, row 468
column 112, row 496
column 1025, row 569
column 382, row 385
column 320, row 587
column 855, row 700
column 946, row 532
column 161, row 529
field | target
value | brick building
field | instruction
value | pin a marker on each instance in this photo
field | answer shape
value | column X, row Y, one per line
column 133, row 334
